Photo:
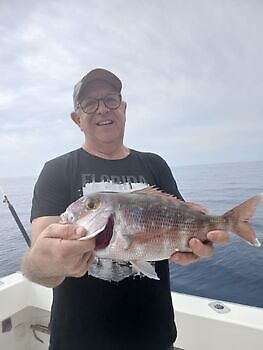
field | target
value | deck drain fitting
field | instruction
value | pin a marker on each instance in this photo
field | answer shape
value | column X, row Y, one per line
column 219, row 307
column 7, row 325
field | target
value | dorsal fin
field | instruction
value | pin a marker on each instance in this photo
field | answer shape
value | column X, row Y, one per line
column 153, row 190
column 156, row 191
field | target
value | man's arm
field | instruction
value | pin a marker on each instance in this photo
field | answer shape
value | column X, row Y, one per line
column 56, row 252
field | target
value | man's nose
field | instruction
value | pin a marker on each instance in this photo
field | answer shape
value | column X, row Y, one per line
column 102, row 108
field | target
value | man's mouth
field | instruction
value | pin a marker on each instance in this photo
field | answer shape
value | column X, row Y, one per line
column 104, row 122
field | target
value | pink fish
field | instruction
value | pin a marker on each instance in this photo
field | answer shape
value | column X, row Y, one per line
column 149, row 225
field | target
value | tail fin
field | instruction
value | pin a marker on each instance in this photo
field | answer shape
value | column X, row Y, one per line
column 239, row 217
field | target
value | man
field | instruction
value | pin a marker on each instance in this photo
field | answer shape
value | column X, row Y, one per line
column 101, row 304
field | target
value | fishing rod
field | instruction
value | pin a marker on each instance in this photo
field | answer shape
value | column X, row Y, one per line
column 17, row 219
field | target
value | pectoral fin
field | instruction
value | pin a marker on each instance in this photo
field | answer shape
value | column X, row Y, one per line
column 146, row 268
column 128, row 239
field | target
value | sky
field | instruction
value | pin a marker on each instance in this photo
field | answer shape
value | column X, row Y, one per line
column 192, row 77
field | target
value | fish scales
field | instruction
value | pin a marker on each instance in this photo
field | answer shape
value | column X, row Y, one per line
column 164, row 218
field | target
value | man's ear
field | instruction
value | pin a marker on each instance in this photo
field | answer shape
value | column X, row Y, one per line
column 76, row 118
column 124, row 106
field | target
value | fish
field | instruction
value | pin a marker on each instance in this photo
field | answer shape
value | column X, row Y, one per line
column 150, row 225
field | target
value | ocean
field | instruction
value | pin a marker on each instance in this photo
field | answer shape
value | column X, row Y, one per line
column 234, row 273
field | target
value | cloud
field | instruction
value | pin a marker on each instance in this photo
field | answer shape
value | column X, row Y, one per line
column 192, row 76
column 7, row 97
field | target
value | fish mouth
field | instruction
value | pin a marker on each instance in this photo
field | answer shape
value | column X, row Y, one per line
column 104, row 237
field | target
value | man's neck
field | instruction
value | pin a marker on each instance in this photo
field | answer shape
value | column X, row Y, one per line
column 108, row 152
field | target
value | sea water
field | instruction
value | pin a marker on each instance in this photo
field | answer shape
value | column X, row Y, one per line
column 234, row 273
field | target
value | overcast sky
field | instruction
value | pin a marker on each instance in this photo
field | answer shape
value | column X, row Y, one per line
column 192, row 73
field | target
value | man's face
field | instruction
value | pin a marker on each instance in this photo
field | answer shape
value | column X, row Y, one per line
column 104, row 125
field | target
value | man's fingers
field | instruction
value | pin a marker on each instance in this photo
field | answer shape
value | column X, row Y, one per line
column 67, row 241
column 64, row 231
column 218, row 236
column 201, row 249
column 83, row 265
column 76, row 247
column 184, row 258
column 90, row 260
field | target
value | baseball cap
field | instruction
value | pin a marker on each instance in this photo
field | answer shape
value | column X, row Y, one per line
column 95, row 74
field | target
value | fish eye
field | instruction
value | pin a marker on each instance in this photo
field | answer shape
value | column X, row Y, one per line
column 92, row 204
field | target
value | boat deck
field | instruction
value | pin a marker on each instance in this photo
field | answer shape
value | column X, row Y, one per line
column 25, row 313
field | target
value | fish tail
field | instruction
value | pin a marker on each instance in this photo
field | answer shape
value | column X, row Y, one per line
column 239, row 219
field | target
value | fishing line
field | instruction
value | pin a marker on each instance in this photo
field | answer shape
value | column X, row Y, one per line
column 16, row 217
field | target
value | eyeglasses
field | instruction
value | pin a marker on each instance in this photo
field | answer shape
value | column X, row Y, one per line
column 111, row 101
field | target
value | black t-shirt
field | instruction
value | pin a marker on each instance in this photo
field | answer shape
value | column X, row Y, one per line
column 91, row 313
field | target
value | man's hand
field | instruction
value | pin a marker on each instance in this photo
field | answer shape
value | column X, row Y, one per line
column 200, row 249
column 58, row 253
